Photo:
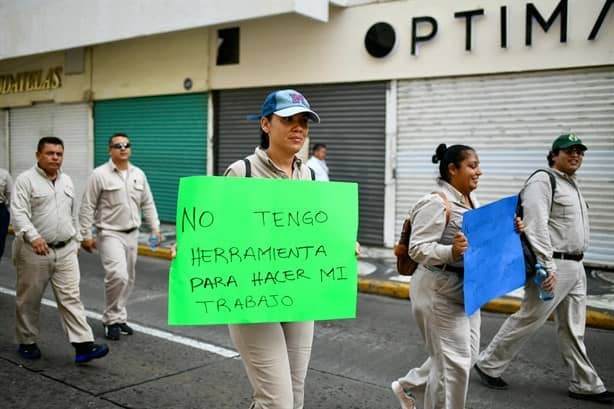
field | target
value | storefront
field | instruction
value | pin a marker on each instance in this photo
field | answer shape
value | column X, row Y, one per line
column 352, row 127
column 511, row 121
column 43, row 95
column 391, row 80
column 506, row 77
column 168, row 136
column 68, row 122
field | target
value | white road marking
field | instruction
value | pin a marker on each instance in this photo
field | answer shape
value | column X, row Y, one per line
column 168, row 336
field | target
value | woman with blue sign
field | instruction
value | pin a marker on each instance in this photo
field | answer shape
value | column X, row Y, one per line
column 437, row 244
column 276, row 355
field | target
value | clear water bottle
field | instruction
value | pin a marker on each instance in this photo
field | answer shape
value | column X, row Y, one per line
column 540, row 277
column 153, row 243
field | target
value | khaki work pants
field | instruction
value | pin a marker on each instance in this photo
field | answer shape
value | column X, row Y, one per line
column 437, row 304
column 60, row 268
column 118, row 253
column 276, row 357
column 416, row 378
column 569, row 308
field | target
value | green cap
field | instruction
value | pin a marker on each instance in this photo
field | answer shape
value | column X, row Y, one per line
column 567, row 141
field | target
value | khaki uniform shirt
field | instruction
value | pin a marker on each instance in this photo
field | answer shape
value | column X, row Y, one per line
column 563, row 229
column 430, row 242
column 263, row 167
column 111, row 202
column 6, row 186
column 42, row 208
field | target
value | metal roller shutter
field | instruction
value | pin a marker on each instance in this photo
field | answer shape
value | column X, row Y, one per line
column 169, row 138
column 68, row 122
column 511, row 121
column 353, row 128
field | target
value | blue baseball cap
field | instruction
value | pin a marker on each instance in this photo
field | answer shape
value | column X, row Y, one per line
column 286, row 102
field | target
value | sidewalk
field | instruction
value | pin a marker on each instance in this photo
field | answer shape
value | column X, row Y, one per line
column 377, row 275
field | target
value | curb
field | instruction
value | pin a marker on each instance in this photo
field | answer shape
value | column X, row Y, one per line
column 504, row 305
column 162, row 252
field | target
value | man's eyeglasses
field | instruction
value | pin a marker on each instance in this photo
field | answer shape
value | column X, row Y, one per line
column 120, row 145
column 571, row 151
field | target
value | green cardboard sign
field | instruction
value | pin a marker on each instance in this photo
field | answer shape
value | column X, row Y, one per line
column 263, row 250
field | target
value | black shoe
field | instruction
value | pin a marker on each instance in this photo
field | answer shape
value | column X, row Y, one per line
column 95, row 351
column 490, row 381
column 29, row 351
column 125, row 329
column 603, row 397
column 112, row 332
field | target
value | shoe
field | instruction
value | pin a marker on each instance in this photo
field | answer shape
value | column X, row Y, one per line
column 125, row 329
column 112, row 332
column 95, row 351
column 490, row 381
column 603, row 397
column 29, row 351
column 406, row 398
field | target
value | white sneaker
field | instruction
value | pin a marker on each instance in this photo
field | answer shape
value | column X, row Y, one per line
column 406, row 399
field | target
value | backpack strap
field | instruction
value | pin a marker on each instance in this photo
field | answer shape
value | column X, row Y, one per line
column 248, row 168
column 552, row 185
column 445, row 200
column 552, row 181
column 313, row 173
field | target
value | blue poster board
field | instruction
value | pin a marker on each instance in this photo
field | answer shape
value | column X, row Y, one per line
column 494, row 263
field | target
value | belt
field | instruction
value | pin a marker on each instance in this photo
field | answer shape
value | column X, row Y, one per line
column 445, row 267
column 568, row 256
column 128, row 230
column 58, row 244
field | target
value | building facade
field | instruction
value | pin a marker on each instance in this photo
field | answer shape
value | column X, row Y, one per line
column 391, row 80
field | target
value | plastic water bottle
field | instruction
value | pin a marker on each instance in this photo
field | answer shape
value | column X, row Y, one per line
column 540, row 277
column 153, row 243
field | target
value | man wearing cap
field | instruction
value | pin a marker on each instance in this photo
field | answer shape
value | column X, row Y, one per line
column 45, row 250
column 556, row 225
column 116, row 194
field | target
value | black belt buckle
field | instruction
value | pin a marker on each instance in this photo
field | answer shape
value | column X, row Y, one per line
column 58, row 244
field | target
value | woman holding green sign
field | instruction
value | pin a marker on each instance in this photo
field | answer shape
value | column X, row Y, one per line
column 276, row 355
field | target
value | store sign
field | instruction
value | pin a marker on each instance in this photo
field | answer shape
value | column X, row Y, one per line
column 425, row 28
column 31, row 81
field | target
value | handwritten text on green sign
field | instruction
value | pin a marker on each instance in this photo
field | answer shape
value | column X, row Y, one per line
column 261, row 250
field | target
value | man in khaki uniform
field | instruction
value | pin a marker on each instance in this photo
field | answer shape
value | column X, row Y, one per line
column 6, row 186
column 45, row 250
column 557, row 228
column 116, row 194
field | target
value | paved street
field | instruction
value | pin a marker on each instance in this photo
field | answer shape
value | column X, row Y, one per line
column 352, row 365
